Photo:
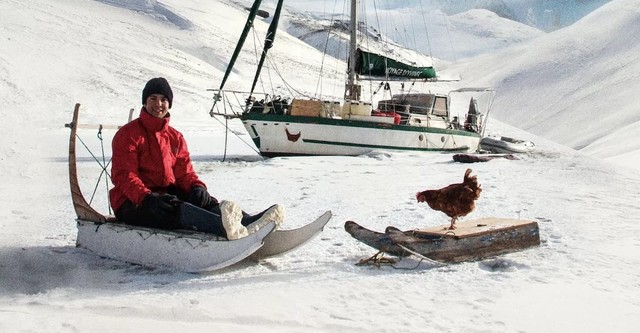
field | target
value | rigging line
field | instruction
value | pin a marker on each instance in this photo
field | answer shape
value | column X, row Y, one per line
column 364, row 36
column 343, row 53
column 285, row 83
column 489, row 106
column 324, row 51
column 226, row 119
column 258, row 42
column 453, row 50
column 426, row 30
column 273, row 67
column 415, row 40
column 226, row 138
column 384, row 41
column 229, row 129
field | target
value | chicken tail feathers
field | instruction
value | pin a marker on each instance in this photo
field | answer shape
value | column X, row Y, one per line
column 472, row 182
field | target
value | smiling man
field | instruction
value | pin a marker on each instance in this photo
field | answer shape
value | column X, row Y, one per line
column 152, row 175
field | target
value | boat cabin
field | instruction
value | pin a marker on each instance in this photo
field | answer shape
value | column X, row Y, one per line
column 419, row 109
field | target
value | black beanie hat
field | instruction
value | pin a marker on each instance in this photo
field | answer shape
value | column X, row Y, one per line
column 158, row 85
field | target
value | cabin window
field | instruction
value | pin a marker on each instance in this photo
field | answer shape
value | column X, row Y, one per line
column 440, row 107
column 418, row 103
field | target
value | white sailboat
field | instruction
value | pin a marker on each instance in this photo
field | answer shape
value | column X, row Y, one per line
column 354, row 126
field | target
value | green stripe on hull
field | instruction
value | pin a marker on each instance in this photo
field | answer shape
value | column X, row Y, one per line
column 346, row 144
column 351, row 123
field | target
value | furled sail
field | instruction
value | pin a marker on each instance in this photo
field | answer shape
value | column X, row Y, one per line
column 375, row 65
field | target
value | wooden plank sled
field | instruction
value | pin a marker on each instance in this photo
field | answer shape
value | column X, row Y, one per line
column 472, row 240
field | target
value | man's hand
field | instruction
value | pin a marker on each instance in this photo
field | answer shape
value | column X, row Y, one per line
column 162, row 206
column 201, row 198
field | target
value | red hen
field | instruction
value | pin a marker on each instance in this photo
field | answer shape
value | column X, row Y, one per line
column 455, row 200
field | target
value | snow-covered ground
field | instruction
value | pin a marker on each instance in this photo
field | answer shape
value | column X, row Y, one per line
column 583, row 278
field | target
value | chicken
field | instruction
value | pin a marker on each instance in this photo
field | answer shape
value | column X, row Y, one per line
column 455, row 200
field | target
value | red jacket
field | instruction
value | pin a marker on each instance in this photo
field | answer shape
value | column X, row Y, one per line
column 149, row 155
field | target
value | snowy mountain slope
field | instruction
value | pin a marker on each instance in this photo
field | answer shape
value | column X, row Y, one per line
column 576, row 86
column 434, row 33
column 546, row 15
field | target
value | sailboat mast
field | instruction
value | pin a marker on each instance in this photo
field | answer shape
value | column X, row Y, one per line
column 352, row 89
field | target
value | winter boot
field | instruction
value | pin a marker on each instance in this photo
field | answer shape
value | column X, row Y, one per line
column 231, row 218
column 275, row 214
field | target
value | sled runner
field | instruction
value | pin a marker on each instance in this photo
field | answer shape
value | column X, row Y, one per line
column 282, row 241
column 184, row 250
column 472, row 240
column 277, row 242
column 377, row 240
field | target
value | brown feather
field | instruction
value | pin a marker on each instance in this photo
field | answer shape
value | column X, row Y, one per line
column 455, row 200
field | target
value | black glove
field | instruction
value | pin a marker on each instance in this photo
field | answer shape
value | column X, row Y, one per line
column 201, row 198
column 162, row 206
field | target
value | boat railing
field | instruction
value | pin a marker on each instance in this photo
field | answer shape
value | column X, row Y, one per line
column 233, row 103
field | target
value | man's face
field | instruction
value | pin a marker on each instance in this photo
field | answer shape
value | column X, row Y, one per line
column 157, row 105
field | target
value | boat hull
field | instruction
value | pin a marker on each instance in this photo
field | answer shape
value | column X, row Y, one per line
column 505, row 145
column 281, row 135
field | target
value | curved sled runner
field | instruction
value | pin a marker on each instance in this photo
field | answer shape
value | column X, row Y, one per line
column 184, row 250
column 282, row 241
column 276, row 243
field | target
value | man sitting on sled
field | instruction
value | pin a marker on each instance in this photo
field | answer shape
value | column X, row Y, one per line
column 152, row 175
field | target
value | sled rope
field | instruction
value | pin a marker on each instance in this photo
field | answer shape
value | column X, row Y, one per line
column 422, row 257
column 378, row 260
column 103, row 165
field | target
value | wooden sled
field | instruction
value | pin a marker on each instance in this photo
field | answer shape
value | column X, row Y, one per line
column 184, row 250
column 472, row 240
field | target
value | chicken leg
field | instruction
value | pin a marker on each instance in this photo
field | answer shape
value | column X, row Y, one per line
column 453, row 223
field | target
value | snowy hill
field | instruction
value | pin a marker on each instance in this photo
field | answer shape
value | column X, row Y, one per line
column 583, row 277
column 546, row 15
column 449, row 38
column 574, row 86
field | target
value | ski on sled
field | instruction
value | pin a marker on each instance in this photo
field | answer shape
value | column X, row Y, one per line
column 277, row 242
